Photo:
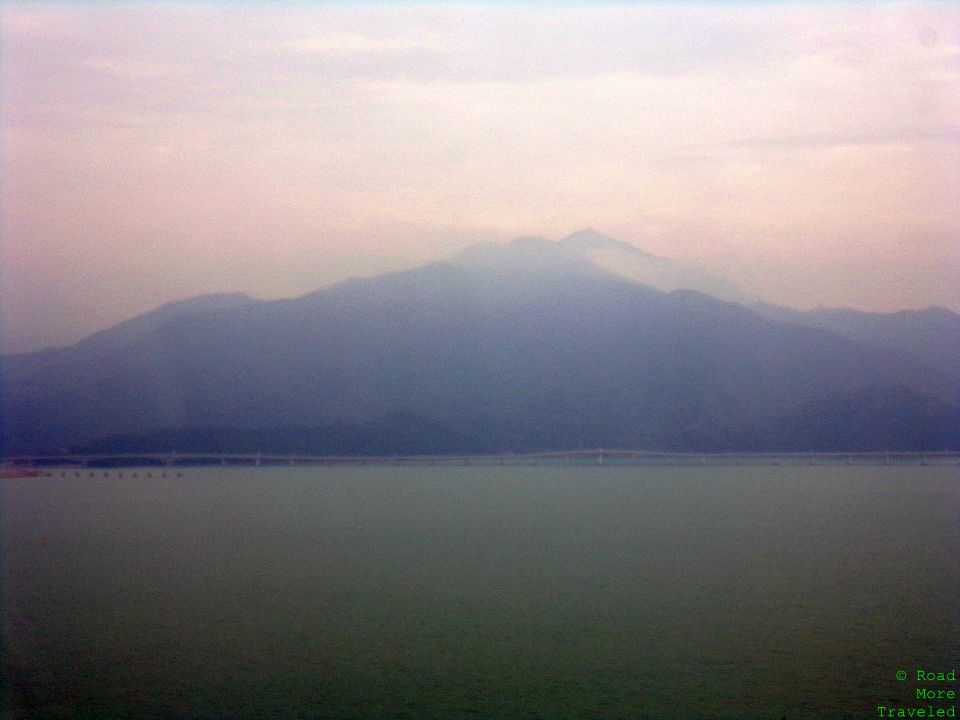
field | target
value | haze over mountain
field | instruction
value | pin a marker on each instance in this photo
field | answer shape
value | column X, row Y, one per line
column 931, row 336
column 524, row 346
column 659, row 272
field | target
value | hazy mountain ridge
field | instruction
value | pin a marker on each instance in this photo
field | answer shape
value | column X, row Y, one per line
column 931, row 335
column 587, row 251
column 537, row 349
column 662, row 273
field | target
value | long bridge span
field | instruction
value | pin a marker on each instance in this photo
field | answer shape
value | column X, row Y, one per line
column 598, row 456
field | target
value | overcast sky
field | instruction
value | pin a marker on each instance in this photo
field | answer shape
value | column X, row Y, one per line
column 152, row 152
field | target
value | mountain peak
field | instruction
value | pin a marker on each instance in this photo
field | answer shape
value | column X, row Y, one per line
column 662, row 273
column 527, row 254
column 589, row 252
column 588, row 233
column 588, row 239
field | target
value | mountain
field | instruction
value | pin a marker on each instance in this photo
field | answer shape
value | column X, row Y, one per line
column 930, row 336
column 129, row 331
column 516, row 347
column 658, row 272
column 590, row 251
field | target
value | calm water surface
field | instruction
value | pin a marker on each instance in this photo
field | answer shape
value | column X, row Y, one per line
column 478, row 592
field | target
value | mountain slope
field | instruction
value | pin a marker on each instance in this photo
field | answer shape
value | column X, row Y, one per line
column 661, row 273
column 517, row 347
column 930, row 336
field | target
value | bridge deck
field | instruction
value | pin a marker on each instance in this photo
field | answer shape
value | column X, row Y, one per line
column 571, row 457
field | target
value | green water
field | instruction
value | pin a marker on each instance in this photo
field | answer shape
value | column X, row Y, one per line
column 556, row 592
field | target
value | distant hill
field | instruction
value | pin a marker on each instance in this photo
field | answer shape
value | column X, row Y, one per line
column 930, row 336
column 517, row 347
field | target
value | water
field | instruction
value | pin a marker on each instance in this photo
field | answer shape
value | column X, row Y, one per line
column 763, row 592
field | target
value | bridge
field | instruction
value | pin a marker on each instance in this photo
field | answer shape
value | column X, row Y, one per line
column 600, row 457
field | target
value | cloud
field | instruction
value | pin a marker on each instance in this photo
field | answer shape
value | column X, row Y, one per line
column 38, row 21
column 136, row 68
column 355, row 43
column 895, row 137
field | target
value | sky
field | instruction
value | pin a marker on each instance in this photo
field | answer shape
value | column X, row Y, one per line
column 156, row 151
